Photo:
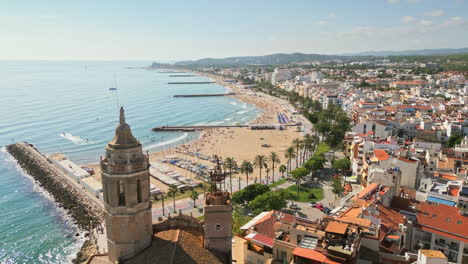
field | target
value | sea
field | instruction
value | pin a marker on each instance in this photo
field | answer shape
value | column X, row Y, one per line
column 67, row 107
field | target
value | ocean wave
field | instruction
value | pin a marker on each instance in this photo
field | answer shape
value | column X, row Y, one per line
column 75, row 139
column 233, row 103
column 244, row 111
column 167, row 142
column 215, row 123
column 60, row 212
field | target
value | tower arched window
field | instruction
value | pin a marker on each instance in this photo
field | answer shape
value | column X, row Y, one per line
column 139, row 198
column 121, row 192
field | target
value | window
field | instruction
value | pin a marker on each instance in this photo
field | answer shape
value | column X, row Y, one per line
column 139, row 191
column 299, row 238
column 218, row 227
column 121, row 192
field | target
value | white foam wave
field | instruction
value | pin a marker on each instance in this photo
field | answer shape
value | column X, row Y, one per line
column 244, row 111
column 228, row 119
column 244, row 106
column 75, row 139
column 233, row 103
column 61, row 212
column 167, row 142
column 215, row 123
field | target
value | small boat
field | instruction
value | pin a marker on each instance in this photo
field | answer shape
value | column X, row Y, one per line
column 112, row 89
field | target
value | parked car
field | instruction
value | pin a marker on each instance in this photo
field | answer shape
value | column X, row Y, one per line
column 313, row 204
column 319, row 206
column 294, row 207
column 326, row 210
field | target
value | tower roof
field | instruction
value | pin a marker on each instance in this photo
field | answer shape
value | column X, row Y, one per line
column 123, row 135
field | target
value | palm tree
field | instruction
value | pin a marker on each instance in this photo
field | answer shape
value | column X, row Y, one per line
column 172, row 193
column 282, row 168
column 308, row 144
column 297, row 145
column 267, row 170
column 230, row 163
column 260, row 163
column 289, row 155
column 246, row 168
column 194, row 197
column 274, row 159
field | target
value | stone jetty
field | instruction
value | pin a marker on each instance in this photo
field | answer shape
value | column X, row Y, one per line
column 86, row 214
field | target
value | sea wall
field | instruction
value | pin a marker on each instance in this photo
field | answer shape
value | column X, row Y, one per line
column 85, row 213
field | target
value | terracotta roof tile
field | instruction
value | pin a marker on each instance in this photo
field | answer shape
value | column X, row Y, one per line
column 381, row 154
column 336, row 227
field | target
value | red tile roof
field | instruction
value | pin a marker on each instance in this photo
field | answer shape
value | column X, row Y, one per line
column 407, row 160
column 262, row 239
column 381, row 154
column 370, row 188
column 312, row 255
column 336, row 227
column 443, row 218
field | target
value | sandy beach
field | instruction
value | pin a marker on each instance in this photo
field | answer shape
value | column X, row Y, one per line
column 239, row 143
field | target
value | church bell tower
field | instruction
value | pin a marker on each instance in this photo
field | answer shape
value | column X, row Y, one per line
column 126, row 190
column 218, row 215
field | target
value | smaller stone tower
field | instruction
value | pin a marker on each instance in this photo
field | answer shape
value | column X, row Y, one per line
column 218, row 215
column 126, row 190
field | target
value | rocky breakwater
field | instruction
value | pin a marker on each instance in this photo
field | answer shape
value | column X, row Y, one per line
column 86, row 214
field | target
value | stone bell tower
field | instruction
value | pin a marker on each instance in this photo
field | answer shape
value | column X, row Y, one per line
column 125, row 181
column 218, row 215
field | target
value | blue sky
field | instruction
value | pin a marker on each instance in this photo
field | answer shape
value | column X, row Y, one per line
column 177, row 30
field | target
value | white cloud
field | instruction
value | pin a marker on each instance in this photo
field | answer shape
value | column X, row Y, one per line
column 454, row 21
column 415, row 1
column 322, row 22
column 393, row 1
column 332, row 15
column 407, row 19
column 426, row 23
column 434, row 13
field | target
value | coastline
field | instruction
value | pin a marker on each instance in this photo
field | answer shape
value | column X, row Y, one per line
column 85, row 214
column 238, row 143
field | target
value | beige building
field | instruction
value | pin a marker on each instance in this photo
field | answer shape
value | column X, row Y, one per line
column 125, row 180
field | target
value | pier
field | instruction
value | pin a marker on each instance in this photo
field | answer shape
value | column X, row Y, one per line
column 199, row 128
column 202, row 95
column 190, row 82
column 192, row 128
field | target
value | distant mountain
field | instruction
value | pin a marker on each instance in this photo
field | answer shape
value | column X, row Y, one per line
column 279, row 58
column 282, row 58
column 409, row 52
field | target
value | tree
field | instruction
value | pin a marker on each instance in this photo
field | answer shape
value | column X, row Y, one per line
column 173, row 190
column 238, row 219
column 246, row 168
column 249, row 193
column 274, row 159
column 289, row 154
column 230, row 163
column 194, row 196
column 315, row 163
column 297, row 145
column 282, row 168
column 260, row 163
column 299, row 174
column 453, row 140
column 267, row 202
column 336, row 185
column 342, row 165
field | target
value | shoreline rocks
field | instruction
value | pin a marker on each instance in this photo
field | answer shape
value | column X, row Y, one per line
column 86, row 214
